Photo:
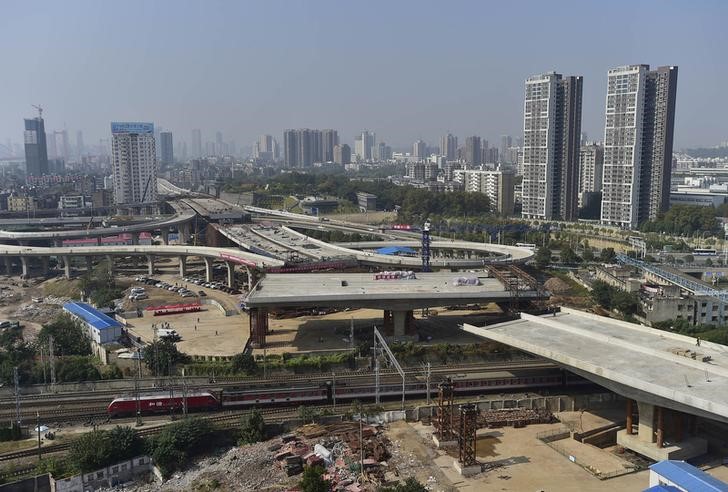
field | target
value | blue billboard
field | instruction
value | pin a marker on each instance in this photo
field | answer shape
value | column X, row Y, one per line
column 131, row 127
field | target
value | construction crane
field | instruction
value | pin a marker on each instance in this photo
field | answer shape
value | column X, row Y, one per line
column 426, row 246
column 39, row 108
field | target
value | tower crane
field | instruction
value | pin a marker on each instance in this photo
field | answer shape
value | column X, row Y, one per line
column 39, row 108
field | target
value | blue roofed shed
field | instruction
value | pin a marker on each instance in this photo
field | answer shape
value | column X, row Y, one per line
column 681, row 476
column 397, row 251
column 100, row 327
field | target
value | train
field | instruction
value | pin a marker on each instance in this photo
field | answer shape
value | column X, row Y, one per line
column 326, row 392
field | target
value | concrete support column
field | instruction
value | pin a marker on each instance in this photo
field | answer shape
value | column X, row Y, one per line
column 110, row 261
column 184, row 233
column 182, row 266
column 44, row 265
column 258, row 327
column 252, row 277
column 646, row 432
column 660, row 426
column 25, row 266
column 67, row 266
column 165, row 235
column 150, row 264
column 399, row 319
column 134, row 238
column 208, row 269
column 8, row 265
column 629, row 416
column 388, row 326
column 89, row 263
column 230, row 274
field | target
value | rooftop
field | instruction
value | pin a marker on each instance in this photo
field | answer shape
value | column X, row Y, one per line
column 641, row 363
column 688, row 477
column 91, row 315
column 363, row 290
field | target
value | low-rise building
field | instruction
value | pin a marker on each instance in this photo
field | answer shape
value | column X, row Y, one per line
column 679, row 476
column 367, row 201
column 18, row 203
column 138, row 468
column 101, row 328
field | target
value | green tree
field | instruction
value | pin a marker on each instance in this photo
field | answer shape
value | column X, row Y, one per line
column 76, row 368
column 587, row 255
column 313, row 480
column 688, row 258
column 709, row 262
column 99, row 448
column 69, row 338
column 542, row 259
column 171, row 448
column 601, row 293
column 627, row 303
column 244, row 363
column 569, row 256
column 161, row 356
column 409, row 485
column 308, row 414
column 252, row 427
column 607, row 255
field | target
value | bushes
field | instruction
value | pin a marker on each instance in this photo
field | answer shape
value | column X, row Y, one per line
column 98, row 449
column 171, row 448
column 612, row 298
column 252, row 427
column 68, row 337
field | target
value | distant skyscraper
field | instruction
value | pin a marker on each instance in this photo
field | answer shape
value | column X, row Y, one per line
column 419, row 149
column 364, row 145
column 638, row 143
column 64, row 145
column 342, row 154
column 304, row 146
column 591, row 165
column 196, row 143
column 134, row 162
column 551, row 137
column 36, row 152
column 382, row 152
column 51, row 142
column 219, row 146
column 449, row 147
column 329, row 140
column 506, row 143
column 473, row 151
column 167, row 152
column 80, row 148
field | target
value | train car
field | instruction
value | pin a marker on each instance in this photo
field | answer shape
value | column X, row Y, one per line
column 272, row 396
column 162, row 403
column 506, row 380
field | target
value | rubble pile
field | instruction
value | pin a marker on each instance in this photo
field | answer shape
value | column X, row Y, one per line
column 515, row 417
column 38, row 312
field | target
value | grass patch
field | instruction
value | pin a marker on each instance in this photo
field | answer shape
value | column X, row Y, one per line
column 575, row 288
column 10, row 446
column 62, row 287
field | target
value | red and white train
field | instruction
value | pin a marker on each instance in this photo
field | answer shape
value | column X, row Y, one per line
column 473, row 383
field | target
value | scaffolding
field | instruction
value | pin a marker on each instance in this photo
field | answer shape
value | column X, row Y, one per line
column 426, row 247
column 467, row 434
column 444, row 410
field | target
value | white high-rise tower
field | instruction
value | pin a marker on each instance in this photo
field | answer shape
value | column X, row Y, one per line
column 134, row 160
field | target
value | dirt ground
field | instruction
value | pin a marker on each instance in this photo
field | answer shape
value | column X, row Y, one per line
column 365, row 218
column 526, row 464
column 16, row 303
column 330, row 332
column 205, row 333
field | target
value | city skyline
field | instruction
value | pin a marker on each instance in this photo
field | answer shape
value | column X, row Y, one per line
column 180, row 96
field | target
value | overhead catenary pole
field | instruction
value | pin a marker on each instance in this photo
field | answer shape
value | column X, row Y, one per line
column 16, row 380
column 379, row 340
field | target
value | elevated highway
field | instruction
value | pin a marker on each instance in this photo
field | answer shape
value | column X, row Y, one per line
column 669, row 379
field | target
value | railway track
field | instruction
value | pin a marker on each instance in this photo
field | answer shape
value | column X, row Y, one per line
column 222, row 382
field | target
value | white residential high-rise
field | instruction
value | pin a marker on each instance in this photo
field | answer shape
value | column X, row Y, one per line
column 591, row 165
column 638, row 135
column 551, row 134
column 134, row 161
column 496, row 185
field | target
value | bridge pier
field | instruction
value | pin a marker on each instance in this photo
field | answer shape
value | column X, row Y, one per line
column 25, row 267
column 208, row 269
column 89, row 263
column 230, row 274
column 8, row 265
column 150, row 264
column 67, row 266
column 258, row 327
column 110, row 261
column 44, row 265
column 652, row 439
column 135, row 238
column 184, row 233
column 165, row 235
column 182, row 266
column 403, row 322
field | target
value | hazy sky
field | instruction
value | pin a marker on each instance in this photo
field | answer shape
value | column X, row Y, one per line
column 405, row 69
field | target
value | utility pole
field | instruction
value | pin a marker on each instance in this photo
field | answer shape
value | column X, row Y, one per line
column 16, row 380
column 184, row 392
column 333, row 387
column 171, row 387
column 136, row 390
column 427, row 378
column 265, row 363
column 52, row 360
column 351, row 333
column 37, row 428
